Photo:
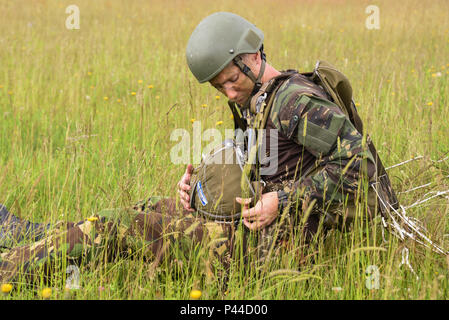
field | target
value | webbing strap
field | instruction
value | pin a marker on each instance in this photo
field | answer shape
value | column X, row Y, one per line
column 262, row 113
column 238, row 122
column 238, row 61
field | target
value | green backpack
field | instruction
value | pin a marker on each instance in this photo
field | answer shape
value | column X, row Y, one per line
column 338, row 87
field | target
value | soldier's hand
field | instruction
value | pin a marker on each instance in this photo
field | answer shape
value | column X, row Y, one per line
column 184, row 187
column 262, row 214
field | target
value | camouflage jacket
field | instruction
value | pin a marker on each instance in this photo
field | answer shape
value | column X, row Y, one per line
column 321, row 154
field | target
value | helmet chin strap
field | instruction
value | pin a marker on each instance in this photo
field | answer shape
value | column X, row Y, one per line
column 247, row 71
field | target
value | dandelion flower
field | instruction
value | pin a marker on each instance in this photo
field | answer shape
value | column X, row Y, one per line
column 133, row 93
column 217, row 97
column 430, row 103
column 89, row 73
column 46, row 293
column 92, row 219
column 232, row 116
column 6, row 288
column 119, row 100
column 139, row 81
column 219, row 123
column 195, row 294
column 357, row 104
column 192, row 120
column 150, row 86
column 392, row 93
column 105, row 98
column 204, row 105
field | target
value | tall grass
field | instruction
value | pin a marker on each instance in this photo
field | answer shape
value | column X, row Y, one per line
column 79, row 132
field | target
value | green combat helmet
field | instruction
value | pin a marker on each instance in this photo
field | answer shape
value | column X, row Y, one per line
column 217, row 181
column 219, row 39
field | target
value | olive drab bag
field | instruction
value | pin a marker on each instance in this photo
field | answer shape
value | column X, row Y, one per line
column 338, row 87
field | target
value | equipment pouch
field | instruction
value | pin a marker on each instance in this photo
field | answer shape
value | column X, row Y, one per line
column 318, row 139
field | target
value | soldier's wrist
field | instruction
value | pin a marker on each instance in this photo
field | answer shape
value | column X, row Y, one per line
column 282, row 200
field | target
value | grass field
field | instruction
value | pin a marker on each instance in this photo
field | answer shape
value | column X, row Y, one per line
column 86, row 117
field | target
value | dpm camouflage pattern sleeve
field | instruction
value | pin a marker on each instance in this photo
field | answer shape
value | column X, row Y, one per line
column 322, row 129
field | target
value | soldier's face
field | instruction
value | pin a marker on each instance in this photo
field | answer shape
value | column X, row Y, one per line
column 234, row 84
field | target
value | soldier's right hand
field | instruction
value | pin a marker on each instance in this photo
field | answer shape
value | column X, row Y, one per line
column 184, row 187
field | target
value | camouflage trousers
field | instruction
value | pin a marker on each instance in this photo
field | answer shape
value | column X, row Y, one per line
column 151, row 228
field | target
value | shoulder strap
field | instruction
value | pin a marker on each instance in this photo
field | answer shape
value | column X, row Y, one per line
column 259, row 106
column 261, row 109
column 238, row 120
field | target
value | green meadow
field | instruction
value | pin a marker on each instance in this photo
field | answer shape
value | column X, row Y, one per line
column 86, row 117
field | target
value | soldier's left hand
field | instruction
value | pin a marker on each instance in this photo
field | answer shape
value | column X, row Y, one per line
column 262, row 214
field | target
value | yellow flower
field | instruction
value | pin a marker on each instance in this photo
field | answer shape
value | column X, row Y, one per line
column 105, row 98
column 430, row 103
column 232, row 116
column 1, row 86
column 6, row 288
column 157, row 97
column 195, row 294
column 150, row 86
column 192, row 120
column 119, row 100
column 139, row 81
column 92, row 87
column 46, row 293
column 388, row 80
column 204, row 105
column 217, row 97
column 392, row 93
column 92, row 219
column 357, row 104
column 219, row 123
column 133, row 93
column 89, row 73
column 10, row 92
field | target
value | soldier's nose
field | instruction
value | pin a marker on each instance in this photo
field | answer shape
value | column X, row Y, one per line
column 231, row 94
